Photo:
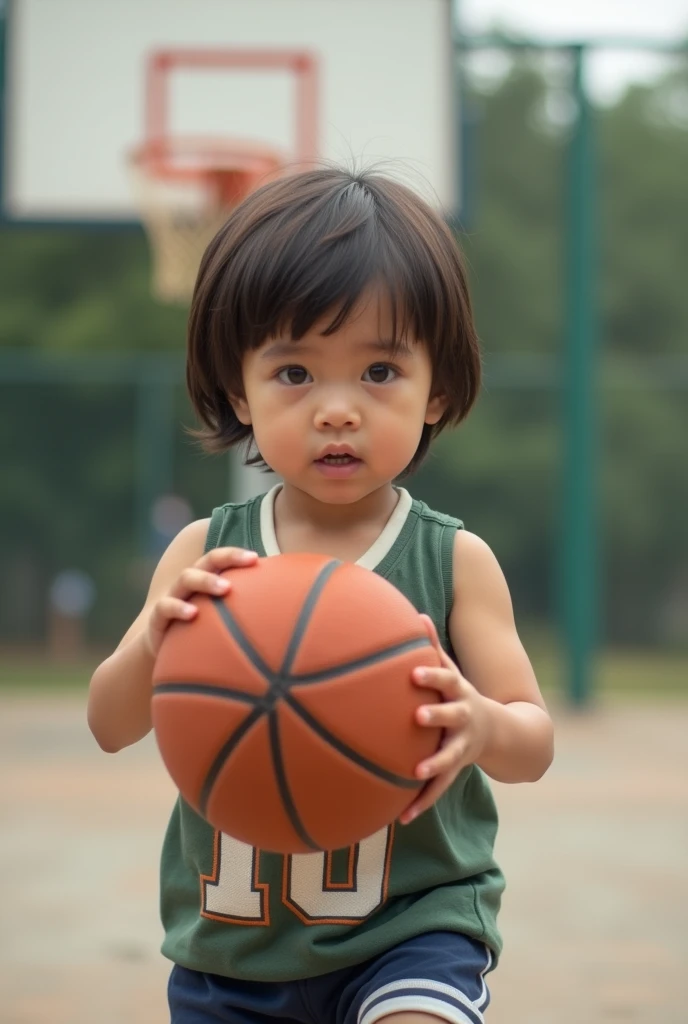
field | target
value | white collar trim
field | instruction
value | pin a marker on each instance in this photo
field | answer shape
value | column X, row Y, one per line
column 371, row 558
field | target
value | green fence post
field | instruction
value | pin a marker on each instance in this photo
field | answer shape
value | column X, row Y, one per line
column 154, row 450
column 579, row 578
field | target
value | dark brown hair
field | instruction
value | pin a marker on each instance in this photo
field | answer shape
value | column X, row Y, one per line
column 307, row 246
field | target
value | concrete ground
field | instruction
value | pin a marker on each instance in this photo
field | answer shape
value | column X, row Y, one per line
column 595, row 916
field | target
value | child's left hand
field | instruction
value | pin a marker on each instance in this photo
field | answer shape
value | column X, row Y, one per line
column 464, row 715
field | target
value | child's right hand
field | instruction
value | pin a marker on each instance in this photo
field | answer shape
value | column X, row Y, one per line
column 200, row 578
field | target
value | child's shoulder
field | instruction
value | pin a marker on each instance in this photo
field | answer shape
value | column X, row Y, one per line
column 236, row 524
column 467, row 558
column 185, row 548
column 432, row 515
column 480, row 588
column 474, row 557
column 471, row 555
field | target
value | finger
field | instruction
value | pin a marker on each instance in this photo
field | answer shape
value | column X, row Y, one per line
column 428, row 796
column 431, row 630
column 446, row 680
column 450, row 715
column 445, row 760
column 218, row 559
column 169, row 608
column 199, row 581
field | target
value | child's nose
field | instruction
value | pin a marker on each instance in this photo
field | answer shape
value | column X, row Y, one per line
column 337, row 411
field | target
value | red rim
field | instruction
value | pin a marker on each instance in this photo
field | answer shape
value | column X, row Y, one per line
column 196, row 160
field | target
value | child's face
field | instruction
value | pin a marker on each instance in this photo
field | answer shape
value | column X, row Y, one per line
column 345, row 396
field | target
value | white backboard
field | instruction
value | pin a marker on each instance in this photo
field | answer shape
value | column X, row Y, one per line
column 75, row 84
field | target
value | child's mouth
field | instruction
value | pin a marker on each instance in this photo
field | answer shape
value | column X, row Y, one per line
column 338, row 460
column 338, row 466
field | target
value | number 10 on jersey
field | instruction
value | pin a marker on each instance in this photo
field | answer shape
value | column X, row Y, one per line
column 234, row 894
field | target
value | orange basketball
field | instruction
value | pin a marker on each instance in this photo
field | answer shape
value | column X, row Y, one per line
column 284, row 711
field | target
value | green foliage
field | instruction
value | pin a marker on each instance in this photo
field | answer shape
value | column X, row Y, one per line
column 69, row 290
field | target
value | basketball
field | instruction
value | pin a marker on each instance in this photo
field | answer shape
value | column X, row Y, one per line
column 285, row 710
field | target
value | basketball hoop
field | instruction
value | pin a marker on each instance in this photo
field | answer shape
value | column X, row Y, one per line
column 187, row 188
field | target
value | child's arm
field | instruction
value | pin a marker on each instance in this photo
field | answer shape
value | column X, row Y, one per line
column 119, row 699
column 493, row 712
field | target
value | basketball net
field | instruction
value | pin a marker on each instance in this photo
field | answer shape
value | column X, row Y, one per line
column 185, row 197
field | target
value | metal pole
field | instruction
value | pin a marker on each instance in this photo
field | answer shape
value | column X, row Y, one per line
column 465, row 133
column 3, row 100
column 579, row 576
column 247, row 481
column 155, row 453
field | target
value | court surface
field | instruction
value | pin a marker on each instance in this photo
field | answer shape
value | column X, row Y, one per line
column 595, row 915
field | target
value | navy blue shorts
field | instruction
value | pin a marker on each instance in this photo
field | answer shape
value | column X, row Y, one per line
column 440, row 973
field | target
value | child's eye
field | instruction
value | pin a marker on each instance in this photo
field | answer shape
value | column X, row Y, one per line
column 294, row 375
column 380, row 373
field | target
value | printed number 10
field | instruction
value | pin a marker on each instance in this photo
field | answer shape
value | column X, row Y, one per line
column 233, row 893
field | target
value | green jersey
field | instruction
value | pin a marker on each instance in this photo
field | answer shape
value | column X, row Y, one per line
column 233, row 910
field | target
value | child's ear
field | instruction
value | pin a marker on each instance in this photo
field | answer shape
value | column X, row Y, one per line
column 436, row 408
column 241, row 409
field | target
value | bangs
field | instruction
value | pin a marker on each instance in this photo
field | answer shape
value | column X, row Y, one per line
column 323, row 267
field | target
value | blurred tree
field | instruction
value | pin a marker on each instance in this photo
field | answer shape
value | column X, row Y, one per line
column 643, row 169
column 71, row 290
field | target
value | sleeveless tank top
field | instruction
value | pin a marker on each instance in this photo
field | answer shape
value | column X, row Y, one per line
column 233, row 910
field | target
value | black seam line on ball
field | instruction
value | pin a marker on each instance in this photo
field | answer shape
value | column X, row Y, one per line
column 224, row 752
column 374, row 769
column 305, row 615
column 279, row 684
column 222, row 693
column 242, row 641
column 352, row 666
column 283, row 785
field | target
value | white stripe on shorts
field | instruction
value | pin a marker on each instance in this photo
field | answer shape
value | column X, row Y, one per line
column 484, row 994
column 437, row 1006
column 418, row 1004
